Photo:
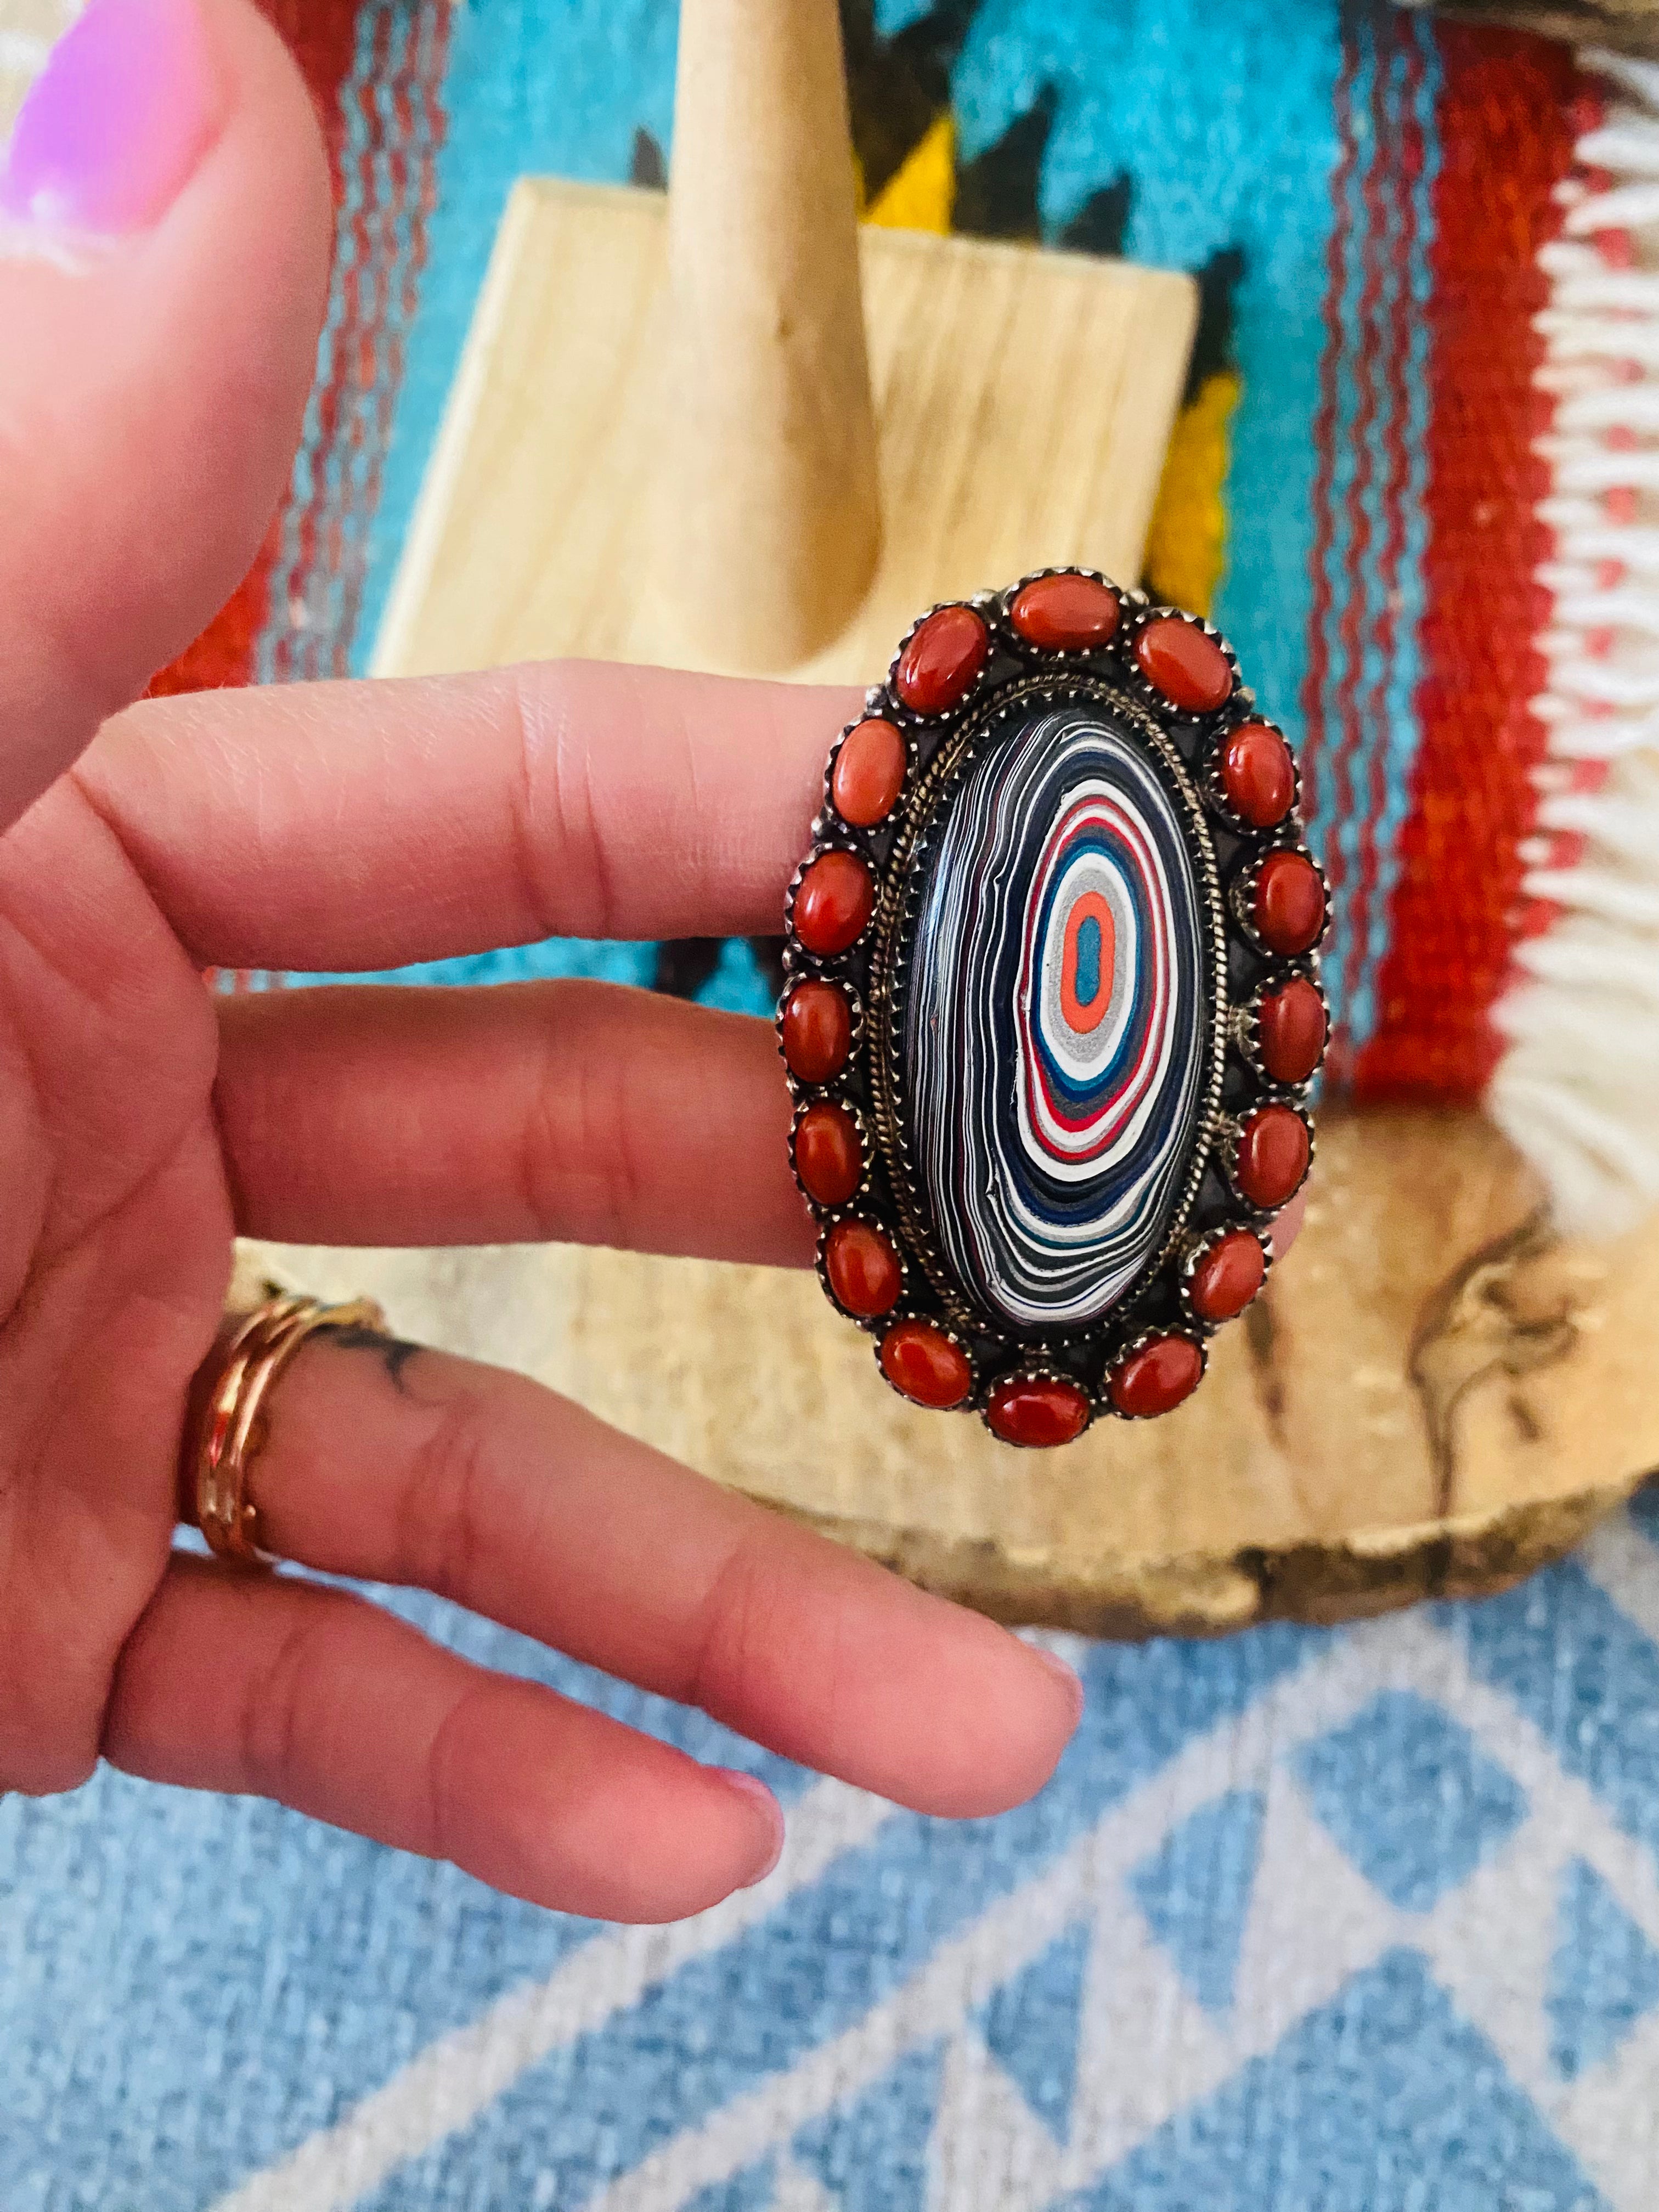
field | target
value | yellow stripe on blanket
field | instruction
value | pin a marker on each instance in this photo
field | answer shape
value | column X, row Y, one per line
column 1186, row 544
column 921, row 193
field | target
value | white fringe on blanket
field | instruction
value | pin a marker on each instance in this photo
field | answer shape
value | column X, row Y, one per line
column 1578, row 1088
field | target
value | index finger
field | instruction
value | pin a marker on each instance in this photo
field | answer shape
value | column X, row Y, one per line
column 364, row 826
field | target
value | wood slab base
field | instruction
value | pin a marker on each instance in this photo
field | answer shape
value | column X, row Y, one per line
column 1023, row 403
column 1434, row 1396
column 1630, row 27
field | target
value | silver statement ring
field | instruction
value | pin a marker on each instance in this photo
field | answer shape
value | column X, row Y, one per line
column 1051, row 1006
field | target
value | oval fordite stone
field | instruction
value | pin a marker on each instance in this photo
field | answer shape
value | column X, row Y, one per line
column 1067, row 1064
column 1057, row 1017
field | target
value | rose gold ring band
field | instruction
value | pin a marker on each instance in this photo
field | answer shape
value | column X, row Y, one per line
column 230, row 1421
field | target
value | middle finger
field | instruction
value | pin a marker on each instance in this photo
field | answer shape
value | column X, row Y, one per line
column 584, row 1112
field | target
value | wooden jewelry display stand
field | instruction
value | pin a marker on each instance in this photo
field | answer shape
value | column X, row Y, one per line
column 738, row 433
column 735, row 431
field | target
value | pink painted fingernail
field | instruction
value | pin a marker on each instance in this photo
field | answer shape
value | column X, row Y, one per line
column 769, row 1810
column 126, row 106
column 1065, row 1676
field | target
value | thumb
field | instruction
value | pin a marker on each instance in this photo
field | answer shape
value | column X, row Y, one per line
column 164, row 237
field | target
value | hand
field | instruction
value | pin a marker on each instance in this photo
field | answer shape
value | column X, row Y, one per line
column 162, row 302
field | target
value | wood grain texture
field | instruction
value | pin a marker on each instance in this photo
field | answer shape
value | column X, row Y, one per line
column 768, row 524
column 1630, row 27
column 1024, row 402
column 1434, row 1396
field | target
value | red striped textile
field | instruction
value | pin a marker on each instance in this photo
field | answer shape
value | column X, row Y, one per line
column 1368, row 447
column 1507, row 121
column 392, row 119
column 321, row 34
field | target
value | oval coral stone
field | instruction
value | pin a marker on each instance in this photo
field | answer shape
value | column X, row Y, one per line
column 1027, row 1412
column 1186, row 664
column 863, row 1268
column 829, row 1157
column 869, row 774
column 1273, row 1152
column 1228, row 1277
column 921, row 1362
column 1258, row 774
column 942, row 659
column 1290, row 1028
column 1155, row 1379
column 1288, row 903
column 833, row 901
column 1065, row 614
column 817, row 1031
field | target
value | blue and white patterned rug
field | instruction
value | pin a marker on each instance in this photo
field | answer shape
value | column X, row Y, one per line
column 1361, row 1922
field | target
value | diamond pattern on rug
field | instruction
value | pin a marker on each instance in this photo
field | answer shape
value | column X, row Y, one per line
column 1593, row 1696
column 1195, row 1892
column 872, row 2152
column 1409, row 1797
column 1351, row 2113
column 1604, row 1976
column 1030, row 2025
column 750, row 2190
column 1017, row 2013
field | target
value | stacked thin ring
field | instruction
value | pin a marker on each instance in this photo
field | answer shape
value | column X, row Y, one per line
column 230, row 1423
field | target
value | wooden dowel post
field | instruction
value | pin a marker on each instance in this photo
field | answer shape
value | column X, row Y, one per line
column 771, row 519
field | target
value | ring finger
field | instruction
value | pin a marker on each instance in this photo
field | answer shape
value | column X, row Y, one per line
column 483, row 1486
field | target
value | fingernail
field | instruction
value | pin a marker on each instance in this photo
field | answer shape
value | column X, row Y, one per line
column 1067, row 1676
column 771, row 1813
column 126, row 106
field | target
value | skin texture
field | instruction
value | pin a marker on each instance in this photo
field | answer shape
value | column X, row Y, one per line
column 151, row 388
